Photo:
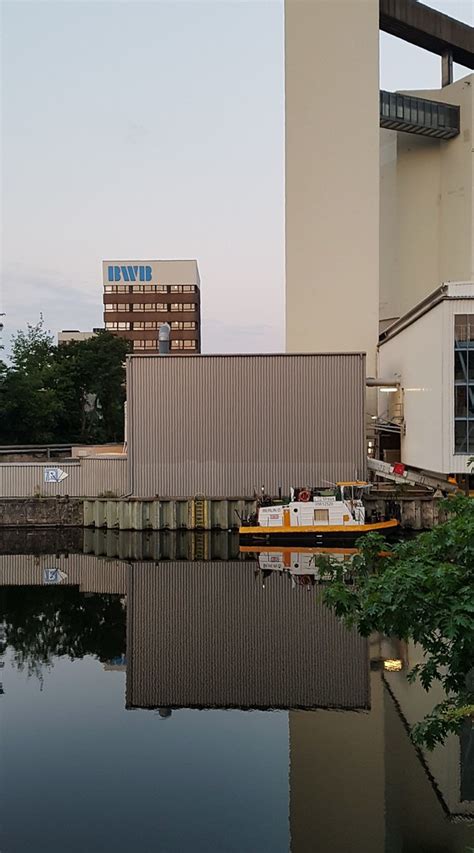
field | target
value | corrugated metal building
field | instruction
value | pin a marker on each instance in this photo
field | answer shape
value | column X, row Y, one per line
column 86, row 477
column 222, row 425
column 209, row 635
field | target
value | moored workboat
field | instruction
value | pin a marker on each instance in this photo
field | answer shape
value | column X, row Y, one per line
column 314, row 517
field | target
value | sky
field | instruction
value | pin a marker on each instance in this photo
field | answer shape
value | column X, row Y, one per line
column 154, row 130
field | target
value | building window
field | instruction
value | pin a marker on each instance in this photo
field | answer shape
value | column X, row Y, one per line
column 139, row 345
column 123, row 306
column 137, row 306
column 177, row 344
column 123, row 327
column 150, row 344
column 464, row 383
column 189, row 344
column 187, row 324
column 110, row 288
column 176, row 288
column 138, row 288
column 189, row 288
column 182, row 306
column 138, row 325
column 110, row 307
column 150, row 307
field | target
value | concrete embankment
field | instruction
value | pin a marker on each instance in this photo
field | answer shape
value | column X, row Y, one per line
column 199, row 513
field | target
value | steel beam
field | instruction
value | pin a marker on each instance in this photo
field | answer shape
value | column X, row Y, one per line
column 427, row 28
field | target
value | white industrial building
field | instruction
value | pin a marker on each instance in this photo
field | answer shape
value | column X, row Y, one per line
column 429, row 355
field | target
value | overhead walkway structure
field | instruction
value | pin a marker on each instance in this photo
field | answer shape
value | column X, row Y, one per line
column 424, row 117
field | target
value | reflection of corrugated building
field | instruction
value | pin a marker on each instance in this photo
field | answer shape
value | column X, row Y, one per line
column 208, row 635
column 89, row 573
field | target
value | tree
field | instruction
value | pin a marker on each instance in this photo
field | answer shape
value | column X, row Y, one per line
column 423, row 591
column 42, row 623
column 29, row 406
column 33, row 350
column 90, row 376
column 68, row 393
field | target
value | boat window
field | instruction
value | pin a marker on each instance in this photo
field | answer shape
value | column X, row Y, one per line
column 321, row 516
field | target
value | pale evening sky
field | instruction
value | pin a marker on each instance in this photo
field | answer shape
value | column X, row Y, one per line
column 154, row 130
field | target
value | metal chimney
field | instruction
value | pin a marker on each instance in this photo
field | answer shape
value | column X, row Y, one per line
column 164, row 339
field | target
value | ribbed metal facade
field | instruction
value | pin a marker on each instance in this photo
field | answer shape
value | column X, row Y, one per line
column 87, row 477
column 209, row 635
column 89, row 573
column 224, row 425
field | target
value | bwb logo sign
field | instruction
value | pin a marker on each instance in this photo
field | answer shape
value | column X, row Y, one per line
column 131, row 273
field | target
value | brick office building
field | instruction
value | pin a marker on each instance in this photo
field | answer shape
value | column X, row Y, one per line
column 139, row 296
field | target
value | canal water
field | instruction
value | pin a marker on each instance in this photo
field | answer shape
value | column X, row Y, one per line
column 170, row 693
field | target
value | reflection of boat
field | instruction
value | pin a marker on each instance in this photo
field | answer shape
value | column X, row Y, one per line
column 315, row 516
column 302, row 566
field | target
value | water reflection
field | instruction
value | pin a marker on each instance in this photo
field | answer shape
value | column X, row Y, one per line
column 110, row 638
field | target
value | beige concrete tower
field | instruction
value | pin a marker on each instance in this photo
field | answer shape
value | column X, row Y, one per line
column 426, row 207
column 332, row 176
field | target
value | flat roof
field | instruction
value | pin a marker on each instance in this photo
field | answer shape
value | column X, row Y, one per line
column 425, row 27
column 242, row 354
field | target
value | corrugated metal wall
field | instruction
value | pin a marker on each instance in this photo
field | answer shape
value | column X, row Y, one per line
column 208, row 635
column 89, row 573
column 222, row 425
column 87, row 477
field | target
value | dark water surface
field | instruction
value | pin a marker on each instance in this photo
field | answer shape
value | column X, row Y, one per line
column 166, row 694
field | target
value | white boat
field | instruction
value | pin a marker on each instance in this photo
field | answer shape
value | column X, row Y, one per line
column 315, row 516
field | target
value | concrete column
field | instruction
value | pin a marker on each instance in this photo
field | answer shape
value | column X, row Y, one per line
column 332, row 176
column 447, row 75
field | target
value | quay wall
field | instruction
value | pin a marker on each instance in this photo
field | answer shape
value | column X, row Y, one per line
column 420, row 513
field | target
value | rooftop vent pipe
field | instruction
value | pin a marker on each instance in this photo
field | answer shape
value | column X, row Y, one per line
column 164, row 339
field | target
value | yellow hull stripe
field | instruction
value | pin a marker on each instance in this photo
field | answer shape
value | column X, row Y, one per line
column 327, row 528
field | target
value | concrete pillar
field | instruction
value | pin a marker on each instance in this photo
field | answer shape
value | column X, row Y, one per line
column 447, row 75
column 332, row 176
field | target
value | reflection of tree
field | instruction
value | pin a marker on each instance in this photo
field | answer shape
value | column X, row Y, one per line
column 41, row 623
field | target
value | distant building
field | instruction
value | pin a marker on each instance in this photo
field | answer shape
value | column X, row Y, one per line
column 139, row 296
column 68, row 335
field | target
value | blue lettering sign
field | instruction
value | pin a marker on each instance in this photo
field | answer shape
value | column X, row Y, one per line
column 135, row 273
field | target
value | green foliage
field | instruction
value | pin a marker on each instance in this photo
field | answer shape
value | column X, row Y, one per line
column 423, row 592
column 68, row 393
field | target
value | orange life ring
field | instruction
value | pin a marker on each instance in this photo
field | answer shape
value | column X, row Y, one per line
column 304, row 495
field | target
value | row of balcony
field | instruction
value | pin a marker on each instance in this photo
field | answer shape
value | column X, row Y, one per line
column 150, row 298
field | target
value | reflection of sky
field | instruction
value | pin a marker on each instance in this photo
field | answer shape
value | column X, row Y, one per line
column 79, row 773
